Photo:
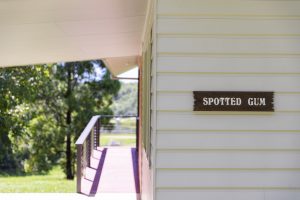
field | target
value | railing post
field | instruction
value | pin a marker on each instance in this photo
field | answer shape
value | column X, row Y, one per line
column 137, row 130
column 79, row 166
column 88, row 151
column 98, row 133
column 95, row 136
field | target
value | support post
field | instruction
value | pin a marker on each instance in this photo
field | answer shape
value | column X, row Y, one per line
column 79, row 166
column 137, row 122
column 98, row 133
column 88, row 151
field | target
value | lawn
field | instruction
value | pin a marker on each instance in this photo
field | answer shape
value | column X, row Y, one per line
column 53, row 182
column 121, row 139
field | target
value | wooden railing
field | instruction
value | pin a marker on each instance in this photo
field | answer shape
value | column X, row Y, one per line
column 86, row 143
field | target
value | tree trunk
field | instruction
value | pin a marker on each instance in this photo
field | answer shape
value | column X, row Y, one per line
column 69, row 171
column 69, row 168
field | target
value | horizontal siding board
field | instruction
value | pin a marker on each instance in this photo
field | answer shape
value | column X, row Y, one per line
column 179, row 82
column 225, row 27
column 184, row 101
column 228, row 64
column 228, row 160
column 229, row 7
column 209, row 195
column 279, row 195
column 238, row 178
column 189, row 121
column 227, row 195
column 227, row 140
column 228, row 45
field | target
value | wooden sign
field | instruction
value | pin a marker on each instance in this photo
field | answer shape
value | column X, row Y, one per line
column 234, row 101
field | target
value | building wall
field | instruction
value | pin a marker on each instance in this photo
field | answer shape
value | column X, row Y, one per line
column 232, row 45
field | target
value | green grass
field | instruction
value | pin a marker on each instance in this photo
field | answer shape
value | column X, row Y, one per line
column 123, row 139
column 53, row 182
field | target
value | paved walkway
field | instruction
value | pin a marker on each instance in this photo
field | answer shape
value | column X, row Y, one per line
column 113, row 174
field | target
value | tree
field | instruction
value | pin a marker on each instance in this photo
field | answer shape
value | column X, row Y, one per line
column 18, row 86
column 44, row 108
column 125, row 103
column 82, row 90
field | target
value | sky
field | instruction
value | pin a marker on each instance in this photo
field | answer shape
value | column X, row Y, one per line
column 133, row 73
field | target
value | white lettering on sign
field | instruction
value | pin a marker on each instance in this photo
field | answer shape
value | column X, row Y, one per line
column 226, row 101
column 208, row 101
column 257, row 101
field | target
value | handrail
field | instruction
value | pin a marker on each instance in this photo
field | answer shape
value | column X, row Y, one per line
column 85, row 145
column 85, row 133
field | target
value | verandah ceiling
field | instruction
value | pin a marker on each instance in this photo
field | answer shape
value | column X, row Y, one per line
column 35, row 31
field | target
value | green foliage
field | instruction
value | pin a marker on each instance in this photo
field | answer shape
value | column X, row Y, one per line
column 125, row 103
column 43, row 139
column 18, row 86
column 43, row 110
column 82, row 93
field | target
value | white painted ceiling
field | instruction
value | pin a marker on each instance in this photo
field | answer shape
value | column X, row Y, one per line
column 47, row 31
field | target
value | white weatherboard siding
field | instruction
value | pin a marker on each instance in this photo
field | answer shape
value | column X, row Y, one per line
column 191, row 82
column 194, row 121
column 284, row 101
column 222, row 194
column 205, row 64
column 233, row 45
column 232, row 140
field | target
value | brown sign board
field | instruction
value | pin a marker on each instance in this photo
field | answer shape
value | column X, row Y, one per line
column 233, row 101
